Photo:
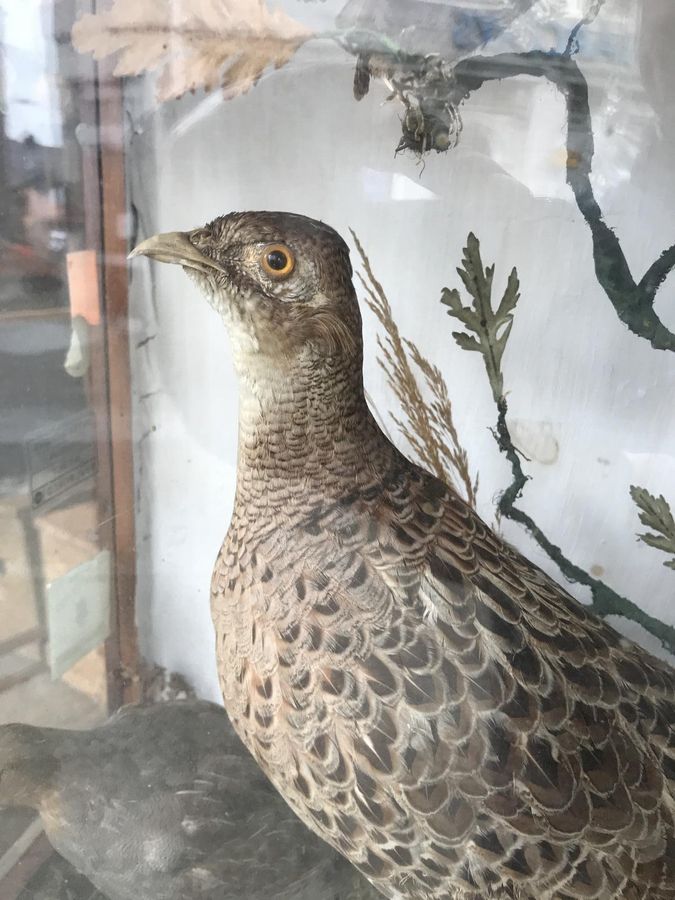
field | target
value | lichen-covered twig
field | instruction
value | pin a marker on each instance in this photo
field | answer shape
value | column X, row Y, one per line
column 428, row 428
column 633, row 300
column 591, row 13
column 432, row 88
column 605, row 601
column 655, row 513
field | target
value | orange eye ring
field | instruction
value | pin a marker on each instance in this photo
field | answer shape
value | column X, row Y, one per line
column 277, row 260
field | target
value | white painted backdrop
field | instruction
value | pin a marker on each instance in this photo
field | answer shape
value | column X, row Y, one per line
column 591, row 404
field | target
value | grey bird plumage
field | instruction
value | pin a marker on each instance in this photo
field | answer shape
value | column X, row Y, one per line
column 428, row 701
column 163, row 802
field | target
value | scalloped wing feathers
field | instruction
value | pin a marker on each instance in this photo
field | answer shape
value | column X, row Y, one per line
column 437, row 708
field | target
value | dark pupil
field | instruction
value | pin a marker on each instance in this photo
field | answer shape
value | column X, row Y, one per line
column 277, row 260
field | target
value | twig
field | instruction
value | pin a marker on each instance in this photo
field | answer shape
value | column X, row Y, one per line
column 605, row 601
column 486, row 326
column 633, row 302
column 572, row 43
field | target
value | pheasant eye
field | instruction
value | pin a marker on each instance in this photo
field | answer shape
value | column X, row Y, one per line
column 277, row 260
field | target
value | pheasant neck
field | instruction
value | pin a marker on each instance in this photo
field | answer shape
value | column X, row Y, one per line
column 308, row 427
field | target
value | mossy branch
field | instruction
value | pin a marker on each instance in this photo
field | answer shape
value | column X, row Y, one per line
column 428, row 428
column 432, row 89
column 655, row 513
column 633, row 300
column 485, row 326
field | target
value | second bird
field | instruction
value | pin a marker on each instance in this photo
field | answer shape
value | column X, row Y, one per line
column 425, row 698
column 163, row 803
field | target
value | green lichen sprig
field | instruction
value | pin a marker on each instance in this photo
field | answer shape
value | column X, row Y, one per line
column 655, row 513
column 492, row 328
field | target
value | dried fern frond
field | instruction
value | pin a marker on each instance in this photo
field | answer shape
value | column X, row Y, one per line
column 193, row 43
column 655, row 513
column 429, row 428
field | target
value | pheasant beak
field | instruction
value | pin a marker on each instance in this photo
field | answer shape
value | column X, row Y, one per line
column 176, row 247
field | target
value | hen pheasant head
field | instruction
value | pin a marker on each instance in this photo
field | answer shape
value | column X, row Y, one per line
column 282, row 283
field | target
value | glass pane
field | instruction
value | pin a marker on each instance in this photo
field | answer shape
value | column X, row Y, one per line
column 56, row 558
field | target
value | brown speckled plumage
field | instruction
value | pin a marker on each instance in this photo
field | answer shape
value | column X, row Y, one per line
column 424, row 697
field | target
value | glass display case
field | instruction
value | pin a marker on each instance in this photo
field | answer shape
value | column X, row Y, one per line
column 499, row 178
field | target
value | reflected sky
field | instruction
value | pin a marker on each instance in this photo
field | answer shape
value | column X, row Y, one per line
column 31, row 103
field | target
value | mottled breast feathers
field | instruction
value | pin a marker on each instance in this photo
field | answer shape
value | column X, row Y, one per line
column 436, row 707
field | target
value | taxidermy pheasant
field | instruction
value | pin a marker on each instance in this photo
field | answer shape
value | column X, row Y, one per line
column 163, row 803
column 425, row 698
